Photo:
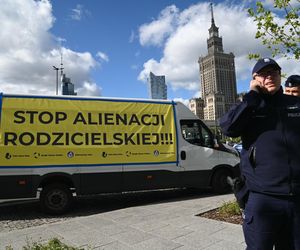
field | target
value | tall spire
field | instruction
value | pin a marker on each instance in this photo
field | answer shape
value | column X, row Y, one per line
column 212, row 14
column 214, row 42
column 213, row 30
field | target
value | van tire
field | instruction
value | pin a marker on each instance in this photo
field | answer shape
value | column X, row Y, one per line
column 56, row 198
column 219, row 181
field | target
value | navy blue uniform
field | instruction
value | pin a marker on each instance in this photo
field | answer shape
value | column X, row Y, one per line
column 269, row 126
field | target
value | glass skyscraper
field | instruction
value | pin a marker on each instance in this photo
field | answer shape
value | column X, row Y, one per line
column 157, row 86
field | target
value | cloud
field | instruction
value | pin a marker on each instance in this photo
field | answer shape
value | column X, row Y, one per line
column 134, row 67
column 26, row 59
column 184, row 40
column 137, row 53
column 102, row 56
column 155, row 32
column 90, row 89
column 184, row 101
column 132, row 37
column 79, row 12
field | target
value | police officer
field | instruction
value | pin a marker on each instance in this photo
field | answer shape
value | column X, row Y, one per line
column 269, row 124
column 292, row 85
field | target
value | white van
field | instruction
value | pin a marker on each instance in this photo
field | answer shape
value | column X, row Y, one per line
column 59, row 146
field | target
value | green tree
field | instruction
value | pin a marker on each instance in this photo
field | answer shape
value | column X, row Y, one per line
column 281, row 38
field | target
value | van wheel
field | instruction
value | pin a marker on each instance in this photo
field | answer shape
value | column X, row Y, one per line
column 219, row 181
column 56, row 198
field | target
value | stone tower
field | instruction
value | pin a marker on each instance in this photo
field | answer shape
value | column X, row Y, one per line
column 217, row 73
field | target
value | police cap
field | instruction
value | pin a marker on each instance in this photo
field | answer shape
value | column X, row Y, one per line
column 292, row 81
column 264, row 62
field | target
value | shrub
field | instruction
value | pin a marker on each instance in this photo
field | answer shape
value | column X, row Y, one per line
column 230, row 208
column 53, row 244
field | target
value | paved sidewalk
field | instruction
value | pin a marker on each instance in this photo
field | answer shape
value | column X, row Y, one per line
column 160, row 226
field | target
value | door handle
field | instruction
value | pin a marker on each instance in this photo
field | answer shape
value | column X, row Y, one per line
column 183, row 155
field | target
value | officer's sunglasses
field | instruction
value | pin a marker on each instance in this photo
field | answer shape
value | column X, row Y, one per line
column 265, row 74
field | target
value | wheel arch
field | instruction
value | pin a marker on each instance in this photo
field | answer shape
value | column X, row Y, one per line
column 234, row 170
column 219, row 181
column 57, row 177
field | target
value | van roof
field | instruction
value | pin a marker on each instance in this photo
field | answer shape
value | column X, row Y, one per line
column 67, row 97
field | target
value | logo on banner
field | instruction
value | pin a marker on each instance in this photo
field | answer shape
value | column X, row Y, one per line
column 70, row 154
column 8, row 156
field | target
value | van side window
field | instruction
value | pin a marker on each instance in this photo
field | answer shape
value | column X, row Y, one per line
column 196, row 133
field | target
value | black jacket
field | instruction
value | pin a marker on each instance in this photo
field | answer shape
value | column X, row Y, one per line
column 269, row 126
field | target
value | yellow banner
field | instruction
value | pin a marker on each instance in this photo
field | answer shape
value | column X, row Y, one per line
column 44, row 131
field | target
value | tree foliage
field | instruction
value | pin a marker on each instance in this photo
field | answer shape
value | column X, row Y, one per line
column 281, row 38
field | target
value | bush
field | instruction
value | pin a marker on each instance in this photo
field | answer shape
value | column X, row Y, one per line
column 230, row 208
column 53, row 244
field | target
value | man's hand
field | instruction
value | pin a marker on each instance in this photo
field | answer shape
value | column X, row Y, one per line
column 257, row 86
column 239, row 189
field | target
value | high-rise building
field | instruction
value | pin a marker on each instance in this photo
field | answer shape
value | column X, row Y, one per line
column 196, row 105
column 157, row 86
column 67, row 86
column 217, row 73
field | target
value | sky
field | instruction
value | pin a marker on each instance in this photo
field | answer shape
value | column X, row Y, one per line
column 110, row 46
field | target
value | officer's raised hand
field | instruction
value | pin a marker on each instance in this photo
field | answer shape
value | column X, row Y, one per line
column 257, row 86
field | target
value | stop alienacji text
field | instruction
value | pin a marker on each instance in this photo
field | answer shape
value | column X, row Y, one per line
column 28, row 119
